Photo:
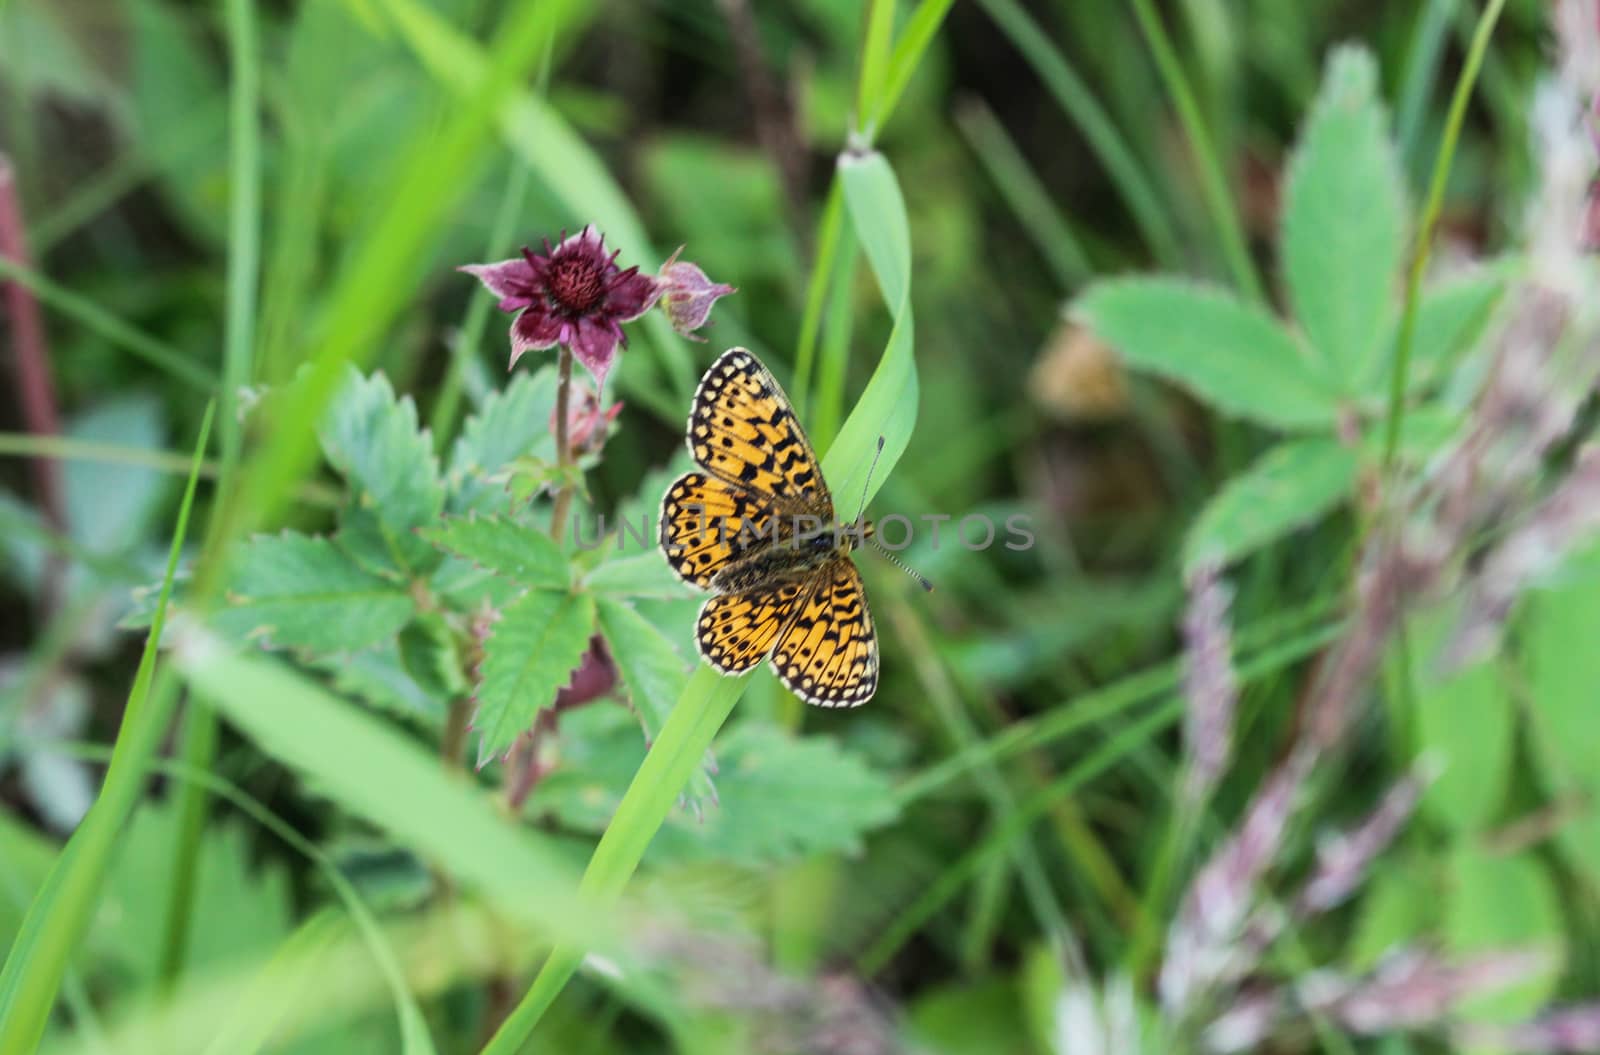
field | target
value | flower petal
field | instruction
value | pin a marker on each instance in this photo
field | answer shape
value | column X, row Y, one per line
column 688, row 294
column 589, row 239
column 510, row 280
column 533, row 330
column 595, row 344
column 631, row 294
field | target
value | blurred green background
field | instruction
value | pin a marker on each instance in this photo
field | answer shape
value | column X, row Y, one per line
column 215, row 197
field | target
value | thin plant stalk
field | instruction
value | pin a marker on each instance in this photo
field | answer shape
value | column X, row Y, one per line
column 1213, row 180
column 1430, row 217
column 563, row 502
column 239, row 329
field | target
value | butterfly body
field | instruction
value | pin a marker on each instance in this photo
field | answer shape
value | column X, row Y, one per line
column 757, row 527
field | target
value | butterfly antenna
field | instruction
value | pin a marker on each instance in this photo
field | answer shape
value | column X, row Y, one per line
column 866, row 487
column 880, row 547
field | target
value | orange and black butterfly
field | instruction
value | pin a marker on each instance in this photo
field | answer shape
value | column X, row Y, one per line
column 757, row 528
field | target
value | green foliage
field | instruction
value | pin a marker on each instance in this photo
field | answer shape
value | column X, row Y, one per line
column 514, row 422
column 1561, row 627
column 651, row 667
column 1495, row 902
column 1343, row 221
column 303, row 592
column 523, row 555
column 1290, row 486
column 1464, row 718
column 372, row 439
column 1227, row 353
column 530, row 655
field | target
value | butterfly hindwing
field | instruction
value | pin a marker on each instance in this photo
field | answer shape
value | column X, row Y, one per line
column 743, row 430
column 828, row 656
column 736, row 631
column 706, row 524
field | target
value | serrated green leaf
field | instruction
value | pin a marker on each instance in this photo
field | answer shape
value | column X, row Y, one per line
column 373, row 440
column 651, row 667
column 513, row 423
column 531, row 653
column 240, row 907
column 467, row 587
column 297, row 591
column 1561, row 628
column 429, row 655
column 378, row 676
column 1451, row 316
column 1286, row 488
column 1464, row 718
column 640, row 575
column 1494, row 903
column 522, row 554
column 782, row 797
column 654, row 673
column 1344, row 221
column 1231, row 355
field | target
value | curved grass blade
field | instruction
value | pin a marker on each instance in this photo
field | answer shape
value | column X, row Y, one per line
column 60, row 911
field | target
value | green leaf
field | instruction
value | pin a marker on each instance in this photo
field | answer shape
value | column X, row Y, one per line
column 764, row 777
column 641, row 575
column 379, row 677
column 513, row 422
column 531, row 653
column 1235, row 357
column 651, row 667
column 1451, row 317
column 384, row 776
column 373, row 440
column 1399, row 907
column 298, row 591
column 1286, row 488
column 240, row 909
column 522, row 554
column 1561, row 628
column 1495, row 903
column 1464, row 718
column 429, row 655
column 1344, row 222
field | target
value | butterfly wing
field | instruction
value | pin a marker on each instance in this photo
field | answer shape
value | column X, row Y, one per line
column 828, row 656
column 743, row 430
column 707, row 523
column 736, row 631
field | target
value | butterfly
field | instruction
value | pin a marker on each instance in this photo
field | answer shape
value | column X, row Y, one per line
column 756, row 527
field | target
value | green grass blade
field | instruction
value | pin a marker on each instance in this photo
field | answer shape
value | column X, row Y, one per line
column 1430, row 217
column 829, row 232
column 378, row 772
column 838, row 326
column 244, row 265
column 920, row 30
column 1025, row 195
column 1213, row 180
column 675, row 756
column 61, row 910
column 874, row 64
column 1138, row 191
column 86, row 313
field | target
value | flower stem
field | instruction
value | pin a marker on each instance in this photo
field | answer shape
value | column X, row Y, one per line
column 558, row 516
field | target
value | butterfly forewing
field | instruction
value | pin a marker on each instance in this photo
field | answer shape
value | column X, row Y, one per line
column 706, row 524
column 736, row 631
column 828, row 656
column 743, row 430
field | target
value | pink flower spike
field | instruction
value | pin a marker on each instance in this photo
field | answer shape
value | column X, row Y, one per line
column 688, row 295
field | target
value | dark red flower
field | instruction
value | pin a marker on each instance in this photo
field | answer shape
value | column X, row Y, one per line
column 574, row 294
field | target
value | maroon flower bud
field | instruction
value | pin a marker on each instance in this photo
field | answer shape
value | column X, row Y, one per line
column 687, row 295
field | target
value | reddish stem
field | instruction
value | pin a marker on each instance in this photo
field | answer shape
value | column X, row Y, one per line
column 31, row 359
